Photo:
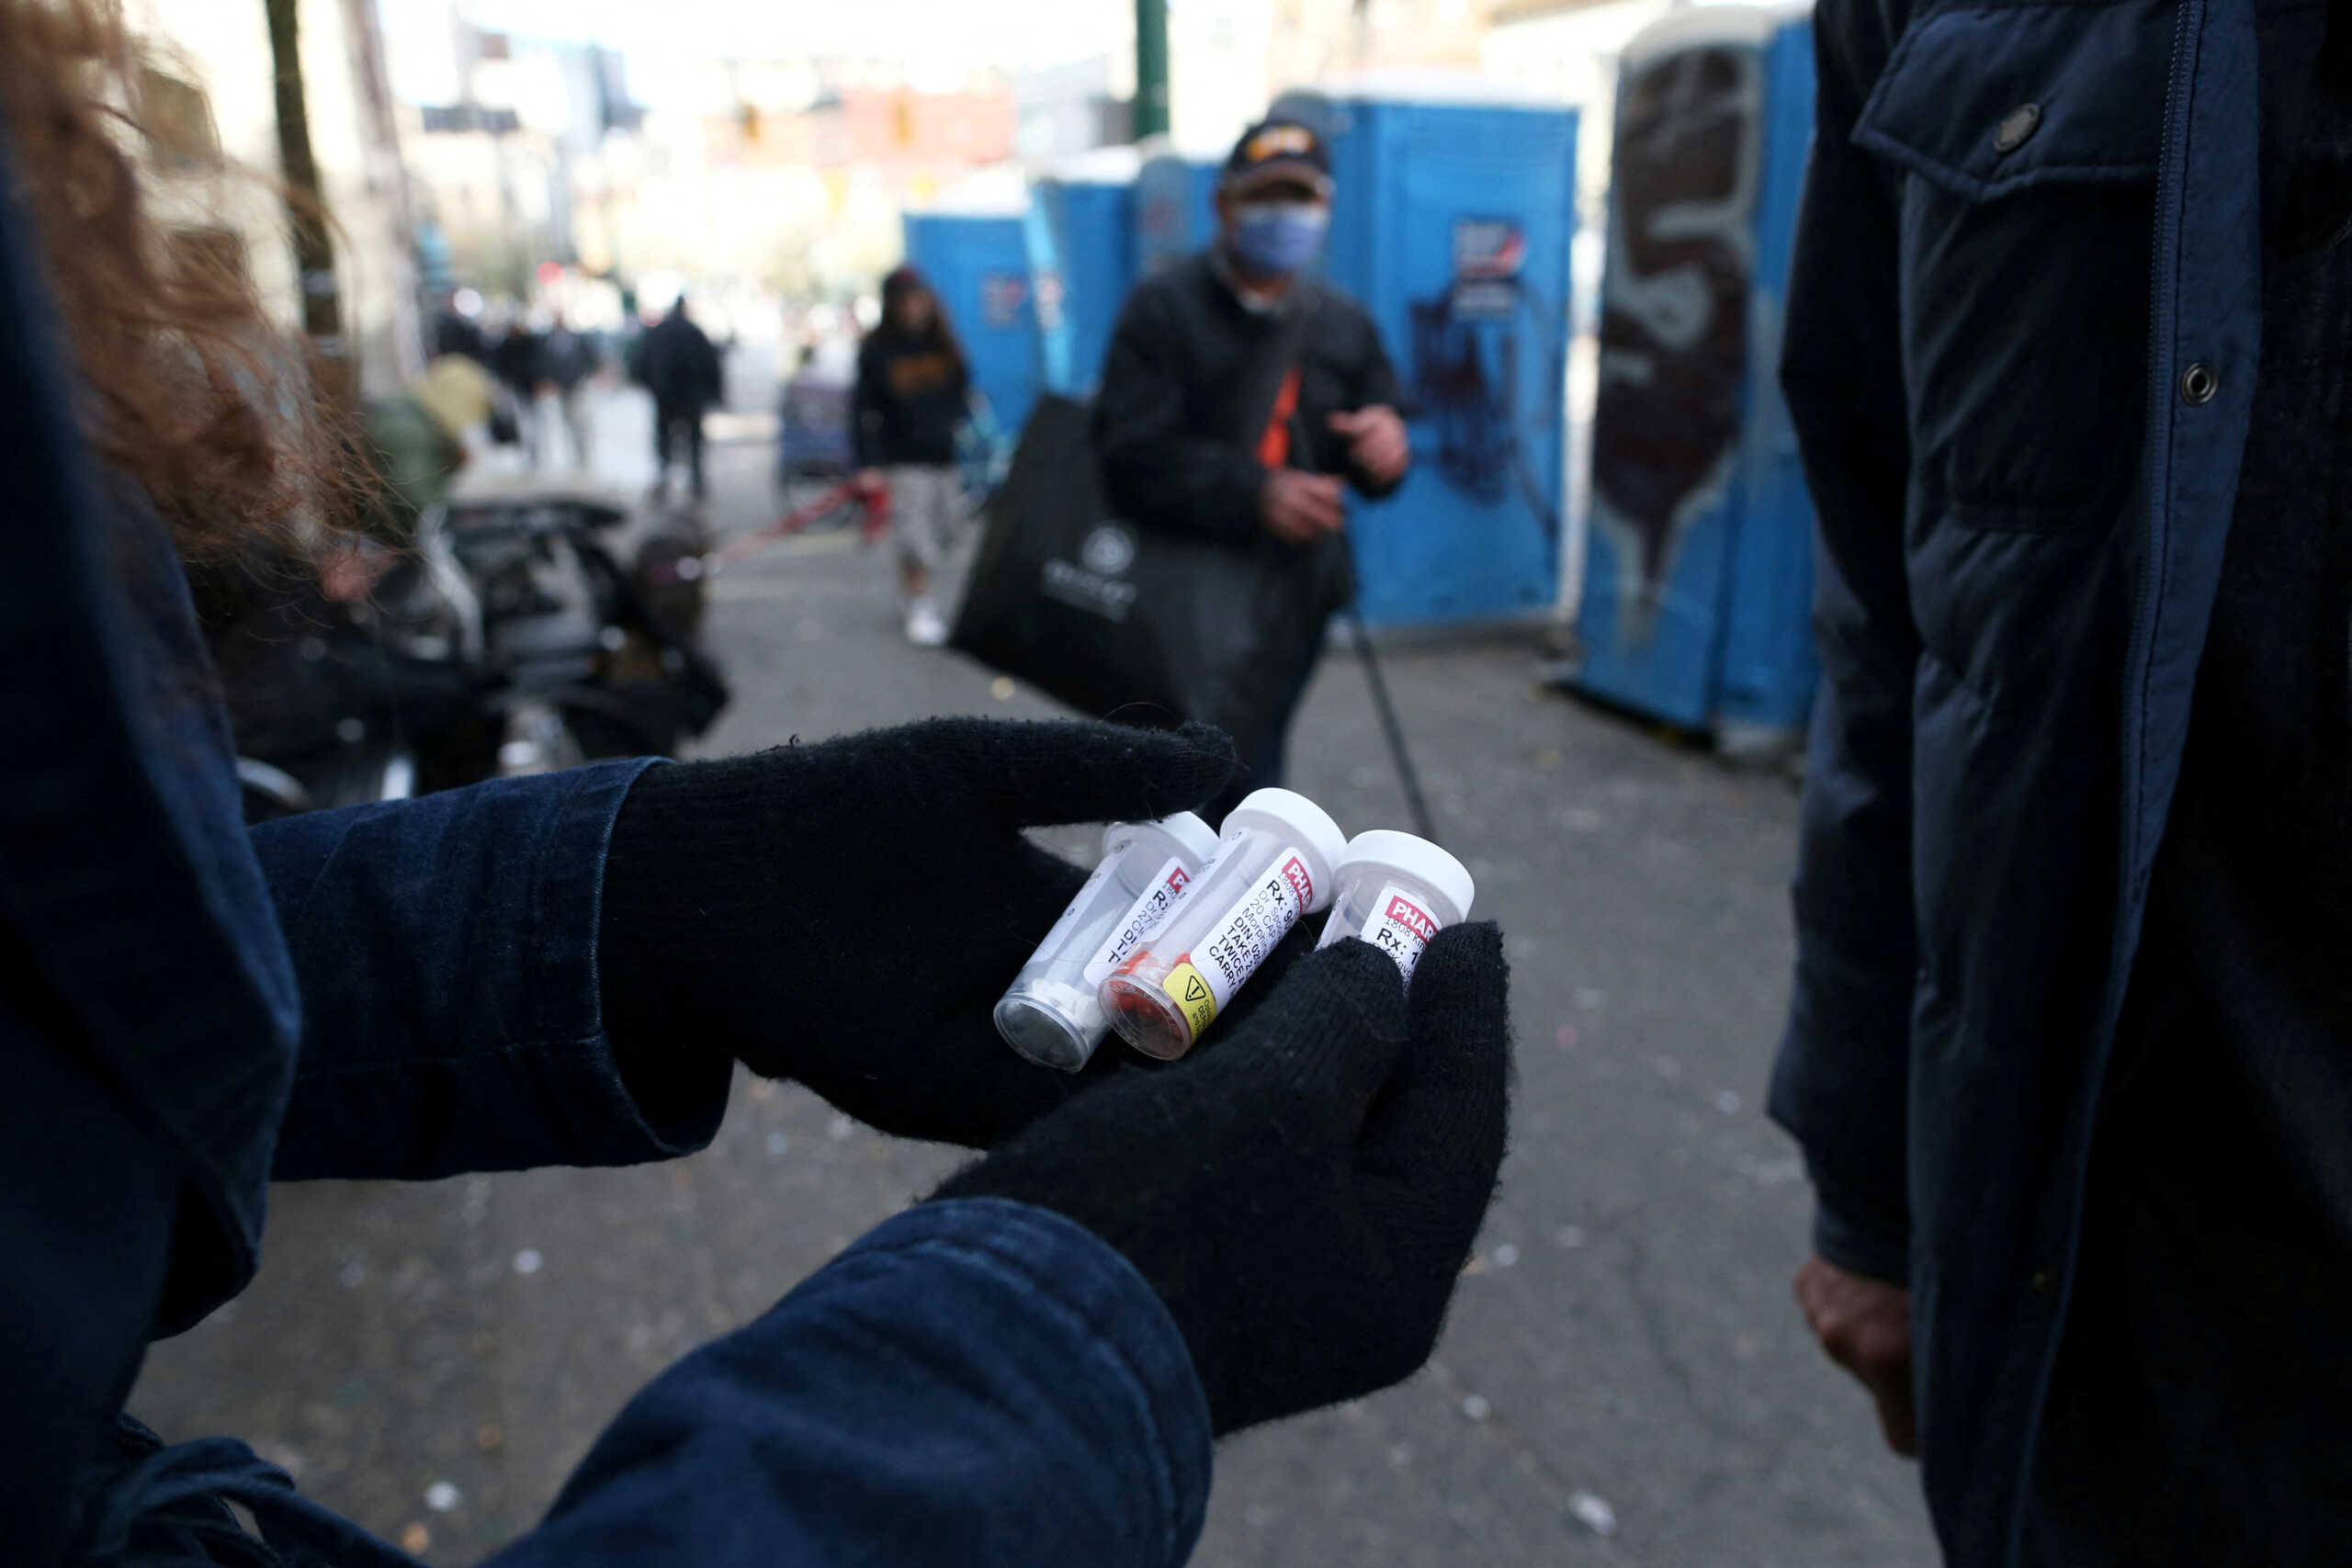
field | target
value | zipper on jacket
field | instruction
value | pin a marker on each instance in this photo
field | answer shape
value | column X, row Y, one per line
column 2131, row 878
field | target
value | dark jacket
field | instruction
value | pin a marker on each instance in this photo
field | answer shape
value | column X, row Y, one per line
column 909, row 402
column 518, row 359
column 1181, row 408
column 2024, row 472
column 567, row 358
column 454, row 333
column 678, row 363
column 188, row 1010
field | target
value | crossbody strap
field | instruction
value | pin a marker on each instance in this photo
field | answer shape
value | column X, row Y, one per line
column 1274, row 378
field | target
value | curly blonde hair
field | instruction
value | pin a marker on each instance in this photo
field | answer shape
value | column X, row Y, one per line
column 190, row 389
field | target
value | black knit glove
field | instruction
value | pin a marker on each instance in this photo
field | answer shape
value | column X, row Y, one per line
column 847, row 914
column 1303, row 1192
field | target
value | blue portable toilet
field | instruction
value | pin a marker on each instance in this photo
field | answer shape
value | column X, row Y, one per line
column 1698, row 576
column 977, row 261
column 1082, row 232
column 1175, row 206
column 1455, row 206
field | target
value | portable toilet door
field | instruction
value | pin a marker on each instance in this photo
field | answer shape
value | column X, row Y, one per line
column 1086, row 208
column 1175, row 209
column 1698, row 569
column 1769, row 663
column 1452, row 223
column 978, row 264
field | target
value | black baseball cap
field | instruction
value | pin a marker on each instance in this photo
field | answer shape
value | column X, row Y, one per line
column 1276, row 150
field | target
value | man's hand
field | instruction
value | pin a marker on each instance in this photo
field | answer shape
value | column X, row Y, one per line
column 1299, row 508
column 1377, row 442
column 1864, row 1326
column 871, row 481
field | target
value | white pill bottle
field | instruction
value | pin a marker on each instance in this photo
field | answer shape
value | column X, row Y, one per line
column 1052, row 1014
column 1274, row 866
column 1397, row 892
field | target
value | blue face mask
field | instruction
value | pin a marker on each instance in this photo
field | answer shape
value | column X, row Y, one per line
column 1275, row 239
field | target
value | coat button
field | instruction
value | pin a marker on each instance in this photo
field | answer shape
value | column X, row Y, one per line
column 2198, row 383
column 2042, row 1282
column 2017, row 128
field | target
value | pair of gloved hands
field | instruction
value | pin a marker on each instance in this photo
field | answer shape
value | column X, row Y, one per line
column 1302, row 1191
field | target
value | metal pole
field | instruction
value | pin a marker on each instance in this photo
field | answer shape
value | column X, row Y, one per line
column 306, row 209
column 1150, row 114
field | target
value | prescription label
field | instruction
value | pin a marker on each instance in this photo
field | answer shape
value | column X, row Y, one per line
column 1400, row 925
column 1144, row 917
column 1232, row 950
column 1189, row 991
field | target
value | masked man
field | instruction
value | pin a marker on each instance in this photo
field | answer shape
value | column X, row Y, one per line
column 1189, row 437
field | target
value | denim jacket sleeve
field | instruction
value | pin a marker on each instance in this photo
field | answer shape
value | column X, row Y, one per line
column 1841, row 1079
column 445, row 949
column 976, row 1382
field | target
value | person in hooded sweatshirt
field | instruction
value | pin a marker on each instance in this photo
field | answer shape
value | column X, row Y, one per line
column 912, row 385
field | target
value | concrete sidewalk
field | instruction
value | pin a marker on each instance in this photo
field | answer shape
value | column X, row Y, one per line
column 1625, row 1380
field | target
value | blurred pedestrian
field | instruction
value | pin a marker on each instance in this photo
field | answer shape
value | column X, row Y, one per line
column 1029, row 1367
column 680, row 367
column 913, row 385
column 515, row 358
column 2069, row 352
column 568, row 362
column 420, row 441
column 457, row 327
column 1181, row 420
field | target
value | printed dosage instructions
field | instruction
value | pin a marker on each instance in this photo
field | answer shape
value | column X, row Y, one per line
column 1232, row 950
column 1144, row 917
column 1400, row 927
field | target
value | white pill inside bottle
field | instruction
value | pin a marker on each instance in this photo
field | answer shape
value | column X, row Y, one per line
column 1397, row 892
column 1052, row 1014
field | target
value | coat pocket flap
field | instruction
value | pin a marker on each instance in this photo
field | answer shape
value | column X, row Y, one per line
column 1988, row 100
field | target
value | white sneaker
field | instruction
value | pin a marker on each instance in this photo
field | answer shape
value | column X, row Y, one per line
column 925, row 626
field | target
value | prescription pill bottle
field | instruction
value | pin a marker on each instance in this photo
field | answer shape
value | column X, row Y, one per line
column 1274, row 866
column 1052, row 1014
column 1397, row 892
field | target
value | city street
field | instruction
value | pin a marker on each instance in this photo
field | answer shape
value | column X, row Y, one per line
column 1624, row 1379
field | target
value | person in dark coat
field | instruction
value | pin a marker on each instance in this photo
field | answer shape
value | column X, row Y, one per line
column 2068, row 349
column 568, row 362
column 679, row 365
column 515, row 358
column 455, row 330
column 1195, row 437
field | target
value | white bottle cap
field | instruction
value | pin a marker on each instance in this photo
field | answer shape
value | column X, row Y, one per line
column 1182, row 836
column 1299, row 821
column 1446, row 878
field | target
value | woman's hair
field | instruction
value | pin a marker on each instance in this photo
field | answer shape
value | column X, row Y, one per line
column 190, row 389
column 902, row 282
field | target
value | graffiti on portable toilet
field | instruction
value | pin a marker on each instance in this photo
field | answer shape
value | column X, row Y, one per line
column 1466, row 349
column 1674, row 309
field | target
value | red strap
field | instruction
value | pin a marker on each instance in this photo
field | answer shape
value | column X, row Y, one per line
column 1273, row 441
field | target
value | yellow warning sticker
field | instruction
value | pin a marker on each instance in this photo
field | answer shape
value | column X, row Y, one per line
column 1189, row 990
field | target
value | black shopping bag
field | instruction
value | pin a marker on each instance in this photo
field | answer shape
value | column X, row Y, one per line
column 1126, row 623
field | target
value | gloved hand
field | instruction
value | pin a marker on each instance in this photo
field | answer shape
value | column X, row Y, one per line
column 1302, row 1192
column 847, row 914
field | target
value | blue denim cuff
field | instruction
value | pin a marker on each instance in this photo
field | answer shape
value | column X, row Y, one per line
column 1112, row 1345
column 566, row 914
column 446, row 949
